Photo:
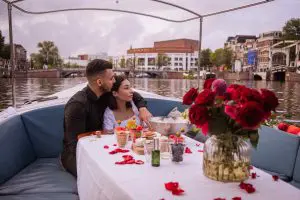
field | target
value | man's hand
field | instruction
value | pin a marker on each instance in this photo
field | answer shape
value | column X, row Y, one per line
column 145, row 116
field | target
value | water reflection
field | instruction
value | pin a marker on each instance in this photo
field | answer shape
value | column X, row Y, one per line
column 31, row 88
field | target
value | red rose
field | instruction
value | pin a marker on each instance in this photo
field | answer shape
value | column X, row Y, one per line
column 270, row 100
column 207, row 83
column 198, row 115
column 231, row 111
column 206, row 97
column 190, row 96
column 234, row 92
column 250, row 115
column 249, row 94
column 283, row 126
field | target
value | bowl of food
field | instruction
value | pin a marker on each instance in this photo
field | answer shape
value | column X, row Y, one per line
column 169, row 125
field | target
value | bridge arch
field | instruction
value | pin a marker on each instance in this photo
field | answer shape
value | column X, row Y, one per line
column 279, row 58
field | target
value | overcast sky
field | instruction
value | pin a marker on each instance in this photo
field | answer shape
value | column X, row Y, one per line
column 93, row 32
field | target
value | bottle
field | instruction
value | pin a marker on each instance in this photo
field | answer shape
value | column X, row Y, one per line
column 155, row 156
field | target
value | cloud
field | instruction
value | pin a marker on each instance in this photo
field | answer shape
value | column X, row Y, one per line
column 114, row 33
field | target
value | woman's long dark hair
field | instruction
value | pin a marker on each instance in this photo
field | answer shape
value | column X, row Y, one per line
column 115, row 88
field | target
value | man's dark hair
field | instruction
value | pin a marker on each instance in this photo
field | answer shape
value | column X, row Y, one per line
column 96, row 67
column 113, row 103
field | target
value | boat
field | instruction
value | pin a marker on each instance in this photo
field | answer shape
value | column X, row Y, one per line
column 31, row 138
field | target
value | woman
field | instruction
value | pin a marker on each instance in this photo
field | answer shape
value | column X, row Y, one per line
column 121, row 107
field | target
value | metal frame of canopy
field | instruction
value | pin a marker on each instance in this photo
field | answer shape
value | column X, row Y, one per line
column 11, row 4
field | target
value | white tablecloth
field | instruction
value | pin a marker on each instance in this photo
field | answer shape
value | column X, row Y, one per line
column 100, row 179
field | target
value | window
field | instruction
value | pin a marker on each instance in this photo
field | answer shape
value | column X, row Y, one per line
column 151, row 61
column 180, row 59
column 176, row 58
column 176, row 64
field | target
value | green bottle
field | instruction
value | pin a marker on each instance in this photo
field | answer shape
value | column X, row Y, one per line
column 155, row 156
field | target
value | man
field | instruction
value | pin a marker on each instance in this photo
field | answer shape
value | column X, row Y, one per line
column 84, row 111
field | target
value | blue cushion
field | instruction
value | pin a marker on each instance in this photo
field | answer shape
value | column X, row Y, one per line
column 296, row 175
column 45, row 175
column 42, row 196
column 45, row 130
column 159, row 107
column 16, row 151
column 274, row 144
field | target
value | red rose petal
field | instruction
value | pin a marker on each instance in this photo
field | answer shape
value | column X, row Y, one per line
column 200, row 151
column 115, row 145
column 170, row 186
column 253, row 175
column 177, row 191
column 120, row 163
column 247, row 186
column 219, row 198
column 132, row 161
column 127, row 157
column 250, row 167
column 275, row 177
column 237, row 198
column 139, row 162
column 106, row 147
column 188, row 150
column 198, row 145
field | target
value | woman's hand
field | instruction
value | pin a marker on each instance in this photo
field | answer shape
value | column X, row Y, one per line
column 145, row 116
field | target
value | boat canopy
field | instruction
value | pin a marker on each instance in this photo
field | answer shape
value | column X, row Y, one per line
column 173, row 11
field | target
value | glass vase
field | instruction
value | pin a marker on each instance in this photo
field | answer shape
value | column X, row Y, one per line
column 226, row 158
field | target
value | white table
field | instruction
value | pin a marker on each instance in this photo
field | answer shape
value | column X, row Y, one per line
column 100, row 179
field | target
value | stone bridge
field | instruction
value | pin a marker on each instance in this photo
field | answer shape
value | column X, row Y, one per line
column 67, row 72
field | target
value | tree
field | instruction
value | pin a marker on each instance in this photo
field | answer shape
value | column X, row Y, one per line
column 161, row 60
column 227, row 57
column 130, row 64
column 217, row 57
column 2, row 38
column 291, row 30
column 222, row 57
column 205, row 59
column 48, row 54
column 122, row 62
column 5, row 53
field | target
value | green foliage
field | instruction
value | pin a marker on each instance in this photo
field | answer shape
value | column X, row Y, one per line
column 48, row 54
column 291, row 30
column 161, row 60
column 122, row 62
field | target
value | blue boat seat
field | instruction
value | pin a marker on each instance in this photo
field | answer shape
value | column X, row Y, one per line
column 45, row 175
column 45, row 129
column 276, row 152
column 296, row 176
column 16, row 151
column 160, row 107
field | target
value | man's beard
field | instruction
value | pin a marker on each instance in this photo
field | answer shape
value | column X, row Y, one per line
column 104, row 89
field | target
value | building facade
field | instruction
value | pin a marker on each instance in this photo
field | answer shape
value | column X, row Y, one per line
column 264, row 44
column 178, row 55
column 240, row 45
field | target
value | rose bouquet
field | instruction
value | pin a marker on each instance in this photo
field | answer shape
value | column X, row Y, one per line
column 235, row 109
column 231, row 116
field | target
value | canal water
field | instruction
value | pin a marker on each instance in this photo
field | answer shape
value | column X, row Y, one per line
column 31, row 88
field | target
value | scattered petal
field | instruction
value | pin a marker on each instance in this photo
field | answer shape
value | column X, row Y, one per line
column 114, row 145
column 106, row 147
column 237, row 198
column 200, row 151
column 253, row 175
column 247, row 186
column 219, row 198
column 275, row 177
column 250, row 167
column 139, row 162
column 188, row 150
column 198, row 144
